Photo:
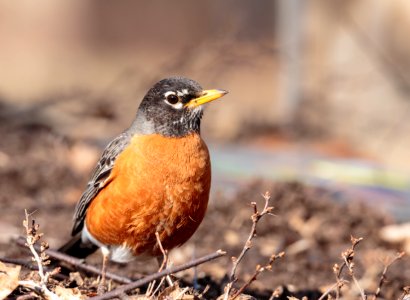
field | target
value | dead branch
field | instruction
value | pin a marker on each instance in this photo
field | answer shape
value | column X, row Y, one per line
column 256, row 216
column 28, row 265
column 339, row 281
column 21, row 262
column 32, row 237
column 329, row 290
column 133, row 285
column 347, row 257
column 78, row 263
column 258, row 271
column 387, row 264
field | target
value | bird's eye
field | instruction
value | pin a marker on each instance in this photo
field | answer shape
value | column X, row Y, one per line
column 172, row 99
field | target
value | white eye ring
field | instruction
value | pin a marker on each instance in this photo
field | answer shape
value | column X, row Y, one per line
column 172, row 99
column 169, row 93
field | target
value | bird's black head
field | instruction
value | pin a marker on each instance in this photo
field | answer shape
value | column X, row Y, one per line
column 173, row 107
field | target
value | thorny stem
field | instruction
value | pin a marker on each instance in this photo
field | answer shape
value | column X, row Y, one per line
column 256, row 216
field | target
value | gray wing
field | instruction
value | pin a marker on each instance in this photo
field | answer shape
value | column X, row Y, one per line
column 98, row 178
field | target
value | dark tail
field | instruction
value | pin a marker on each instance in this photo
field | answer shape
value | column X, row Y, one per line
column 75, row 247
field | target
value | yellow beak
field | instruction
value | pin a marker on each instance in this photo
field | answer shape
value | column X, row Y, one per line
column 207, row 96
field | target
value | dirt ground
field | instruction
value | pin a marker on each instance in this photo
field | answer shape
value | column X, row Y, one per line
column 44, row 173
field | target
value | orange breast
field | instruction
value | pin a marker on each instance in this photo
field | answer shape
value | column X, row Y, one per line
column 158, row 184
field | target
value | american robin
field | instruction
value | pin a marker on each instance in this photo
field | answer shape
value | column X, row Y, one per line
column 153, row 177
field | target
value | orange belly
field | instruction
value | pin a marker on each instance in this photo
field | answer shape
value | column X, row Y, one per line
column 158, row 184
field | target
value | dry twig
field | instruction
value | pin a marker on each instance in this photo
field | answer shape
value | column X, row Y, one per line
column 258, row 270
column 21, row 262
column 133, row 285
column 347, row 257
column 387, row 264
column 42, row 259
column 256, row 216
column 78, row 263
column 333, row 287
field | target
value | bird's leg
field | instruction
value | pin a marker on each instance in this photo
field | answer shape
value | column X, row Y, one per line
column 163, row 264
column 101, row 286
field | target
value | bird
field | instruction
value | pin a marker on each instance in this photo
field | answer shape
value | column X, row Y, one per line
column 151, row 180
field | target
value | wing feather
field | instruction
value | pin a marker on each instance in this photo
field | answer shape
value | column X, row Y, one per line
column 99, row 178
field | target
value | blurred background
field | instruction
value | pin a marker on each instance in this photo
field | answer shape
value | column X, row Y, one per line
column 319, row 93
column 318, row 89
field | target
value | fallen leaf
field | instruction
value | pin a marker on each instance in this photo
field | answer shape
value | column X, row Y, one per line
column 68, row 294
column 9, row 278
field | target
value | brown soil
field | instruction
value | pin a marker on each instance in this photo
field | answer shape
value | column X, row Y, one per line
column 44, row 173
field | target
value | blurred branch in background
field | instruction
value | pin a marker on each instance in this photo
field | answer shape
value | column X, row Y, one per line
column 388, row 64
column 290, row 27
